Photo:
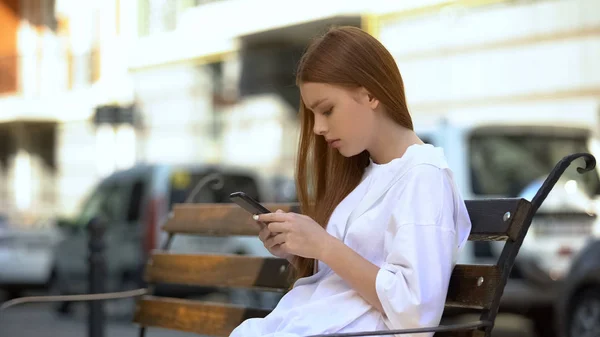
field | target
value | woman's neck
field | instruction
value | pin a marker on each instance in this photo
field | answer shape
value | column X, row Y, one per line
column 391, row 141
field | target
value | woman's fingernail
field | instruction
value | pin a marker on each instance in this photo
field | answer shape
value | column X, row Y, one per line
column 255, row 217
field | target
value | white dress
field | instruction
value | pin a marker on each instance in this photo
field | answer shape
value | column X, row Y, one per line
column 406, row 217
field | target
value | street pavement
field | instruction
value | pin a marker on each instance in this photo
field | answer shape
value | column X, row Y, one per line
column 38, row 320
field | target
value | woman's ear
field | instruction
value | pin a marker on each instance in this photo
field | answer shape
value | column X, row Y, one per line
column 365, row 97
column 373, row 101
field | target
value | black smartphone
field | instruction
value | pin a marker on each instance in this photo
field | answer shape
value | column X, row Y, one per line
column 247, row 203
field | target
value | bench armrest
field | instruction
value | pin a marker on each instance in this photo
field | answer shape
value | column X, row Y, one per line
column 442, row 328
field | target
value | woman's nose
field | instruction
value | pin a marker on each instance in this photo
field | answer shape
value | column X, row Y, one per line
column 319, row 128
column 320, row 131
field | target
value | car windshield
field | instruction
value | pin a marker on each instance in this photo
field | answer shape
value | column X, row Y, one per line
column 505, row 163
column 90, row 208
column 107, row 201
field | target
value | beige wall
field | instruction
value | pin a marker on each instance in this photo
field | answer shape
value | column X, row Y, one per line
column 474, row 58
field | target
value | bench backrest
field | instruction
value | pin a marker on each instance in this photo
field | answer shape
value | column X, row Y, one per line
column 474, row 287
column 471, row 286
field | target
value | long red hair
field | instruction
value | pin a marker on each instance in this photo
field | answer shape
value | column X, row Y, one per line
column 350, row 57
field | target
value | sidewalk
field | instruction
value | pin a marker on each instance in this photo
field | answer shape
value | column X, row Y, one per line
column 38, row 320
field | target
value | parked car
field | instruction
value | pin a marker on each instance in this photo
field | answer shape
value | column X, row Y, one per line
column 578, row 306
column 135, row 203
column 26, row 258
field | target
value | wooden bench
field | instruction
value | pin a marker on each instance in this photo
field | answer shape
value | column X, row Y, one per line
column 475, row 287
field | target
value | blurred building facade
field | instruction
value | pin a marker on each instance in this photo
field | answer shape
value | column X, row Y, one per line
column 59, row 61
column 498, row 57
column 88, row 88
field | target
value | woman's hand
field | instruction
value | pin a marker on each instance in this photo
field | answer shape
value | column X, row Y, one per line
column 265, row 234
column 293, row 234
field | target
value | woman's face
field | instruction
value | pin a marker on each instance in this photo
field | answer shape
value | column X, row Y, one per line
column 345, row 117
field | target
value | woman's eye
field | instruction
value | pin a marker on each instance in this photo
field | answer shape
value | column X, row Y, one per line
column 328, row 112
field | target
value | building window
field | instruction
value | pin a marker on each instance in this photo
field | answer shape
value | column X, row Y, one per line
column 161, row 16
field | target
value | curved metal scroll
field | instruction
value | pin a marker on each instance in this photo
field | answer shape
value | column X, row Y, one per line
column 217, row 180
column 559, row 169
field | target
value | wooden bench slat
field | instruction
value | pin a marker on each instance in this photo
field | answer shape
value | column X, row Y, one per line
column 213, row 319
column 204, row 318
column 496, row 219
column 217, row 219
column 473, row 286
column 487, row 218
column 218, row 270
column 271, row 274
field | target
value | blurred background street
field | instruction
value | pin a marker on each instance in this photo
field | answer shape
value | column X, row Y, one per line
column 117, row 109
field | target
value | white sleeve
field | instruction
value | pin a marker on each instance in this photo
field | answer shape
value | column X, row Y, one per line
column 421, row 247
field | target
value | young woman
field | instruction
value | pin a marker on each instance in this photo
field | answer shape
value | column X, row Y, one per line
column 383, row 221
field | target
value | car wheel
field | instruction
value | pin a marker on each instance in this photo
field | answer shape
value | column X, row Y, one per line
column 585, row 314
